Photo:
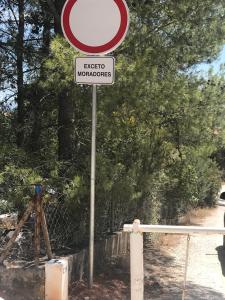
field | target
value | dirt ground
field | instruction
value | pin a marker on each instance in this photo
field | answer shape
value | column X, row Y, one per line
column 205, row 274
column 164, row 267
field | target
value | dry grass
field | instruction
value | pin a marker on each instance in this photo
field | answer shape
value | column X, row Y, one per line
column 192, row 218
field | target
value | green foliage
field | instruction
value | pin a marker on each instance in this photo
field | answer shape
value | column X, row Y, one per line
column 159, row 126
column 17, row 185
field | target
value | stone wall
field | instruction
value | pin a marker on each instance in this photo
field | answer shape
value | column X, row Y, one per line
column 19, row 281
column 18, row 278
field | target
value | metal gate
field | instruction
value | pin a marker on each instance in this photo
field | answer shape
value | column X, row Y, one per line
column 136, row 250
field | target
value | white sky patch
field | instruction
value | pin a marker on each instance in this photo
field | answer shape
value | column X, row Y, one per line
column 202, row 69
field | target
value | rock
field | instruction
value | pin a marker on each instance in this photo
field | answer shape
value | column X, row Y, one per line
column 10, row 234
column 8, row 221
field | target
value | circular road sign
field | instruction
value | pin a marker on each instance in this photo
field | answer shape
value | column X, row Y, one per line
column 95, row 27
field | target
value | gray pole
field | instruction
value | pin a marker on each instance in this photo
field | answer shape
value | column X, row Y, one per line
column 92, row 195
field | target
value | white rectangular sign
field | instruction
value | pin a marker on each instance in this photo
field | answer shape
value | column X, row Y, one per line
column 95, row 70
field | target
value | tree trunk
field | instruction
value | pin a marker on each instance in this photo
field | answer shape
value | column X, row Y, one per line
column 58, row 5
column 65, row 105
column 20, row 79
column 46, row 31
column 65, row 126
column 34, row 141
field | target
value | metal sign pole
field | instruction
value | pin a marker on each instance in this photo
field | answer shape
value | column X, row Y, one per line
column 92, row 195
column 104, row 42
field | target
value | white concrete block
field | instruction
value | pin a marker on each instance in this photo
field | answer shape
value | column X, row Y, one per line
column 56, row 279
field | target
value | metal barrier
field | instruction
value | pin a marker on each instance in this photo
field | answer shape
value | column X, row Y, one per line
column 136, row 250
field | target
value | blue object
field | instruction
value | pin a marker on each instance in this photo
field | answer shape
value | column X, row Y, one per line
column 38, row 189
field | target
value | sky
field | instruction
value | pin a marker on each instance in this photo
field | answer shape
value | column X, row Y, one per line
column 203, row 68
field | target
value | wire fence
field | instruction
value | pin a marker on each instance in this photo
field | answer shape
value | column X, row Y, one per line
column 67, row 232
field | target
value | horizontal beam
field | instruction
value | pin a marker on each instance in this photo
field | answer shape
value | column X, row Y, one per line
column 173, row 229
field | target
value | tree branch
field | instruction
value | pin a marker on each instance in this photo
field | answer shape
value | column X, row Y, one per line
column 10, row 7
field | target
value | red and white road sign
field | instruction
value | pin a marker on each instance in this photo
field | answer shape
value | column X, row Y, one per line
column 95, row 27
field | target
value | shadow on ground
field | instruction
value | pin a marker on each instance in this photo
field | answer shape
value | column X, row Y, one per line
column 174, row 292
column 160, row 282
column 163, row 284
column 119, row 289
column 107, row 286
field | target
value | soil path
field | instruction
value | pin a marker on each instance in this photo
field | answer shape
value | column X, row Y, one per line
column 164, row 271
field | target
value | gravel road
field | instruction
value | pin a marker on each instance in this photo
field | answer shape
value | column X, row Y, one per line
column 164, row 271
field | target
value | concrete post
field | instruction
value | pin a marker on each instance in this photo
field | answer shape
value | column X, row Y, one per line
column 136, row 263
column 56, row 279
